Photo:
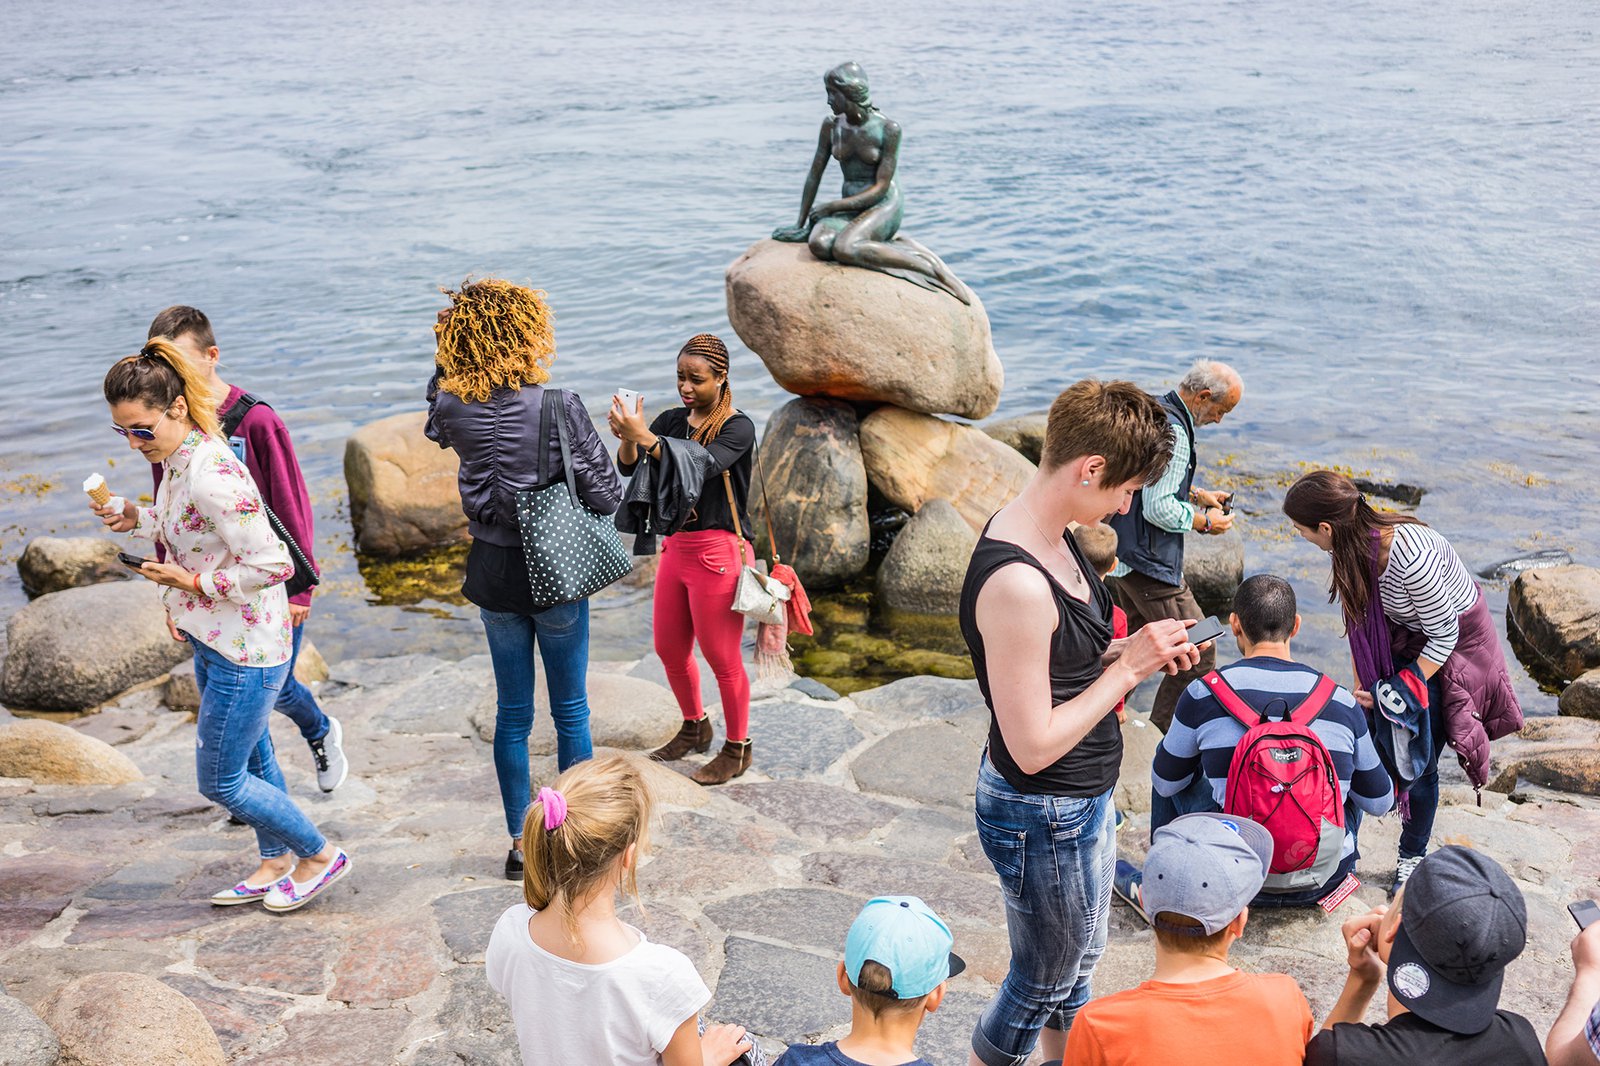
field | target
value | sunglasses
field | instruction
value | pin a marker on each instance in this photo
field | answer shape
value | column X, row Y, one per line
column 142, row 434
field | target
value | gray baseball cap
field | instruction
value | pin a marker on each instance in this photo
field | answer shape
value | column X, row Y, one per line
column 1462, row 919
column 1207, row 867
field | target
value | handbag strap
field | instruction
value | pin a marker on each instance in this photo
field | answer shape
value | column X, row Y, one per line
column 554, row 400
column 766, row 508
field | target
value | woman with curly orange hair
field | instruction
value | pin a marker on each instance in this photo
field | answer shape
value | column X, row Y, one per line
column 700, row 563
column 495, row 346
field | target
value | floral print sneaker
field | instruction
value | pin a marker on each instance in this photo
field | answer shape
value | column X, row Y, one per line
column 289, row 894
column 243, row 892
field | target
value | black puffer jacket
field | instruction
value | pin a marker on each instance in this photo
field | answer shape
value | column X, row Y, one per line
column 498, row 444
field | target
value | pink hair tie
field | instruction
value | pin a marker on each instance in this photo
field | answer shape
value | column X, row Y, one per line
column 555, row 808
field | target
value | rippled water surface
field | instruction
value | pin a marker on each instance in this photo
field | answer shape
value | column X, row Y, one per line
column 1383, row 214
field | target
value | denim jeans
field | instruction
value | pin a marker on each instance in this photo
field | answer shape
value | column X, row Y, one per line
column 233, row 758
column 1424, row 801
column 562, row 636
column 296, row 700
column 1055, row 856
column 1197, row 796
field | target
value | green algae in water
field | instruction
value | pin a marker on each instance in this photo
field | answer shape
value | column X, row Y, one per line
column 415, row 579
column 858, row 645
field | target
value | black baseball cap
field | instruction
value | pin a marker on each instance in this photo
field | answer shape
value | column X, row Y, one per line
column 1462, row 920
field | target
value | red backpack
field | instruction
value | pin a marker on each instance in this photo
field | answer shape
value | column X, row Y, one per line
column 1282, row 777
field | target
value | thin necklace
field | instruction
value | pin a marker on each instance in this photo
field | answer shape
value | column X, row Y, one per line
column 1077, row 574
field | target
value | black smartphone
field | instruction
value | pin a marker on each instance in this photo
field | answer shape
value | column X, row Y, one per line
column 134, row 561
column 1206, row 630
column 1227, row 503
column 1585, row 912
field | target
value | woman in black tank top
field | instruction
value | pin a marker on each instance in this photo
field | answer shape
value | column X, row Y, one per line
column 1038, row 622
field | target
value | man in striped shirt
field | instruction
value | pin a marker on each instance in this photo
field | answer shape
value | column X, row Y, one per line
column 1190, row 771
column 1148, row 581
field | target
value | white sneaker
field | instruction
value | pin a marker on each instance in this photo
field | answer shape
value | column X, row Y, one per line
column 1404, row 867
column 332, row 766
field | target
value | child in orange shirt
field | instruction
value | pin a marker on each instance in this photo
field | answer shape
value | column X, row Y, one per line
column 1202, row 872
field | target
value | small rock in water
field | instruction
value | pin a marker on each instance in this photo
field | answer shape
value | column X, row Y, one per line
column 1399, row 491
column 1539, row 560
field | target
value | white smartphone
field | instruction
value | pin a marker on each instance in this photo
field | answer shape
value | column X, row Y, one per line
column 628, row 399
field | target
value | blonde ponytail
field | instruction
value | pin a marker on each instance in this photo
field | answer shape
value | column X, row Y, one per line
column 156, row 377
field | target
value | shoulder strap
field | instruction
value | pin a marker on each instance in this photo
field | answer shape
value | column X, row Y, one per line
column 1231, row 700
column 560, row 409
column 1315, row 703
column 733, row 509
column 236, row 413
column 766, row 508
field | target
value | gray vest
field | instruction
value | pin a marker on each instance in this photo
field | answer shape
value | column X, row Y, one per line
column 1145, row 549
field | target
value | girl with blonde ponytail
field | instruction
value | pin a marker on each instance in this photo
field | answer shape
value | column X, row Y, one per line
column 700, row 563
column 582, row 985
column 222, row 586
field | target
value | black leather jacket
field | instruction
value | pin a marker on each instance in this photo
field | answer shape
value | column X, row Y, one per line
column 498, row 444
column 663, row 492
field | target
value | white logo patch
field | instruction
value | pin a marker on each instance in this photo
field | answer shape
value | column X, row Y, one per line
column 1411, row 981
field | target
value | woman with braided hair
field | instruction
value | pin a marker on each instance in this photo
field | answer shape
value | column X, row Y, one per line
column 486, row 401
column 700, row 563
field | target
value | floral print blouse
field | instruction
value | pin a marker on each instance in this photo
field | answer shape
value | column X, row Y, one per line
column 209, row 517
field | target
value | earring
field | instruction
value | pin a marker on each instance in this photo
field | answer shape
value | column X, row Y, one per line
column 1085, row 481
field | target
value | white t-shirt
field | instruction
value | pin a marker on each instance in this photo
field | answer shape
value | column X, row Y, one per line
column 622, row 1012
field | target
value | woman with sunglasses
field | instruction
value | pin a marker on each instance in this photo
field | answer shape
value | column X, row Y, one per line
column 222, row 586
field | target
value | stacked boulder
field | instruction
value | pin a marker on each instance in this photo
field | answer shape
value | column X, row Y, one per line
column 874, row 360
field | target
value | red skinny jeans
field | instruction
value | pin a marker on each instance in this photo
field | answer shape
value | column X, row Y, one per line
column 694, row 602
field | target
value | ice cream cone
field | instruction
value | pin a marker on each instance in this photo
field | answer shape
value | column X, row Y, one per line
column 98, row 491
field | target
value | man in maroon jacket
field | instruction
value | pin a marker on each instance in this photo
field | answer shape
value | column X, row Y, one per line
column 262, row 442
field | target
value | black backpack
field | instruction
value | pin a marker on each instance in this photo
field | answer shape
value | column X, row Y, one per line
column 305, row 575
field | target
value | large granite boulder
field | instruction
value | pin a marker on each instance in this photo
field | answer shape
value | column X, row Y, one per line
column 53, row 754
column 855, row 334
column 1558, row 753
column 912, row 458
column 927, row 563
column 1025, row 433
column 1214, row 567
column 403, row 492
column 27, row 1040
column 76, row 648
column 50, row 564
column 1581, row 699
column 129, row 1019
column 817, row 486
column 1553, row 619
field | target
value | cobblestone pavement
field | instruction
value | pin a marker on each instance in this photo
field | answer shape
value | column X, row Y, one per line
column 756, row 882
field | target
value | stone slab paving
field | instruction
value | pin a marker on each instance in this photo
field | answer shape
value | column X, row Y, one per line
column 755, row 882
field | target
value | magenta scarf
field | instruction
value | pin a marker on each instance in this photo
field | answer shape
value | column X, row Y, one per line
column 1370, row 642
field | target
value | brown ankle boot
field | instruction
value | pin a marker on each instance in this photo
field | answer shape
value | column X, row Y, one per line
column 694, row 735
column 730, row 762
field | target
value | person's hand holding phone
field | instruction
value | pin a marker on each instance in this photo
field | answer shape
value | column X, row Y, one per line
column 1160, row 645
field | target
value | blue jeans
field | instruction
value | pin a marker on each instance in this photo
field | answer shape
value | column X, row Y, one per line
column 1056, row 856
column 233, row 758
column 562, row 636
column 1424, row 801
column 296, row 700
column 1197, row 797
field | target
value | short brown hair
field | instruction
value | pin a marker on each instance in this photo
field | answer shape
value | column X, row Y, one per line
column 875, row 991
column 1098, row 543
column 179, row 319
column 1115, row 419
column 1185, row 935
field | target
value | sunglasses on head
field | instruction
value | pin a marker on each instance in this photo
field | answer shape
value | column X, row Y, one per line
column 143, row 434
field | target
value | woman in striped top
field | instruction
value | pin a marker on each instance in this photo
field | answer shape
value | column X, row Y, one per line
column 1396, row 577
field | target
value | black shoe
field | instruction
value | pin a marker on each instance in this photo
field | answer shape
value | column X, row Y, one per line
column 514, row 864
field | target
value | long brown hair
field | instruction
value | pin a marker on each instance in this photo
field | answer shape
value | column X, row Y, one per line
column 608, row 808
column 156, row 377
column 709, row 346
column 1328, row 496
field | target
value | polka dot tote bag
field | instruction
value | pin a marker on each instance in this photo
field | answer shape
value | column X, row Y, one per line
column 571, row 551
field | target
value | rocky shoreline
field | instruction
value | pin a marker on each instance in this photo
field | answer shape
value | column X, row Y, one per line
column 755, row 882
